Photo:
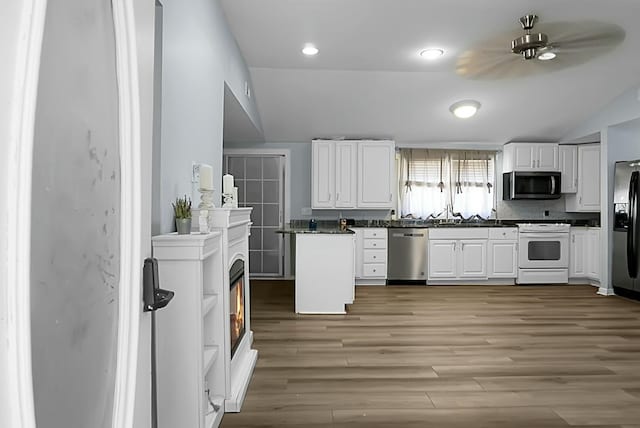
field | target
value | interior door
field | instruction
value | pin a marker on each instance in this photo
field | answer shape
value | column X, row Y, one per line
column 90, row 218
column 260, row 182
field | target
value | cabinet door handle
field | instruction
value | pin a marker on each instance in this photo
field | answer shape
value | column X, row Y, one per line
column 337, row 196
column 390, row 197
column 573, row 239
column 580, row 200
column 329, row 196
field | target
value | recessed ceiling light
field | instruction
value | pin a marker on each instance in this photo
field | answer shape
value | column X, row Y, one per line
column 465, row 109
column 431, row 53
column 310, row 50
column 546, row 56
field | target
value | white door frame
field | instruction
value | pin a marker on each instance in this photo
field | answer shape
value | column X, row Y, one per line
column 22, row 30
column 287, row 191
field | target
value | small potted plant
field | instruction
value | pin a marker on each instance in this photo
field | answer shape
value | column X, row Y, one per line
column 182, row 211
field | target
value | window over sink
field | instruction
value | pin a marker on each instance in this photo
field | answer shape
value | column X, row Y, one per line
column 446, row 183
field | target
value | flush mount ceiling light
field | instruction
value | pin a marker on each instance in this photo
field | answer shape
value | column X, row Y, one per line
column 431, row 53
column 310, row 50
column 464, row 109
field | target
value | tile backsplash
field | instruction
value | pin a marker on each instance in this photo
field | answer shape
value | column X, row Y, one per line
column 535, row 210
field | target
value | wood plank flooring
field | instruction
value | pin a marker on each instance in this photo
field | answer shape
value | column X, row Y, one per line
column 456, row 356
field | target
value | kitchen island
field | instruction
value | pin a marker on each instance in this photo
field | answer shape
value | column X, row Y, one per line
column 324, row 269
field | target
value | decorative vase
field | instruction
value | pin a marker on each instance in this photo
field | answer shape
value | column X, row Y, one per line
column 183, row 225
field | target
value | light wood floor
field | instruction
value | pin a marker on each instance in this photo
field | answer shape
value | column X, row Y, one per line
column 457, row 356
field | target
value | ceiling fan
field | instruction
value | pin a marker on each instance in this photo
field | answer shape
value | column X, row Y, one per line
column 548, row 47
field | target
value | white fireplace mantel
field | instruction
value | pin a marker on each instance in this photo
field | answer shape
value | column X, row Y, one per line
column 235, row 226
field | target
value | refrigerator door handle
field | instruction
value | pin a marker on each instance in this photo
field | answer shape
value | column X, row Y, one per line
column 632, row 238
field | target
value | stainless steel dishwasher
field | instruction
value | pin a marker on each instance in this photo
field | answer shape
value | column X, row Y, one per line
column 407, row 255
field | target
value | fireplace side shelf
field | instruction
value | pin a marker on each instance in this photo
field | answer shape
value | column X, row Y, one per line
column 191, row 371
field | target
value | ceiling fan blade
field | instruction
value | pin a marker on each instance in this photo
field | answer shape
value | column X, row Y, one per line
column 482, row 65
column 584, row 34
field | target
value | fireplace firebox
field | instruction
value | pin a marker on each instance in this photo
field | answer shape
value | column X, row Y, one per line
column 236, row 304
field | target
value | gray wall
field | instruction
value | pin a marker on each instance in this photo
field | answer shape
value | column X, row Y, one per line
column 199, row 56
column 75, row 219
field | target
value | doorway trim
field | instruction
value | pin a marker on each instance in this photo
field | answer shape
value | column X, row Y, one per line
column 131, row 245
column 27, row 45
column 15, row 258
column 259, row 151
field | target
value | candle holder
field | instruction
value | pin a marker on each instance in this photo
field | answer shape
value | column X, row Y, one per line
column 205, row 219
column 228, row 200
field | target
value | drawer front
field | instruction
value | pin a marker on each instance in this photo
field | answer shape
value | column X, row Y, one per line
column 506, row 233
column 375, row 256
column 380, row 244
column 375, row 270
column 375, row 233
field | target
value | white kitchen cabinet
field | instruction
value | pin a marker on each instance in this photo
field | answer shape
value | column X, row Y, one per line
column 578, row 253
column 587, row 197
column 443, row 259
column 584, row 253
column 530, row 157
column 502, row 253
column 569, row 168
column 458, row 253
column 352, row 174
column 333, row 174
column 376, row 174
column 593, row 244
column 371, row 255
column 324, row 273
column 346, row 174
column 503, row 259
column 323, row 174
column 472, row 258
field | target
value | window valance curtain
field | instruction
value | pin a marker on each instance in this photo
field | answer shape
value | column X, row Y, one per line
column 433, row 182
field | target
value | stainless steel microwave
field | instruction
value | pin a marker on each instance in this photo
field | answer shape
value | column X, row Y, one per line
column 530, row 185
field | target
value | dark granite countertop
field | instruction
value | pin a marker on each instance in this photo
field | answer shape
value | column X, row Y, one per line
column 331, row 226
column 320, row 230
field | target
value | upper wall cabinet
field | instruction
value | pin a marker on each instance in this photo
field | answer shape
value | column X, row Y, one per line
column 334, row 174
column 587, row 196
column 352, row 174
column 376, row 174
column 530, row 157
column 569, row 169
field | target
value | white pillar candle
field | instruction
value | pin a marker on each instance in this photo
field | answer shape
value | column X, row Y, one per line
column 206, row 177
column 227, row 184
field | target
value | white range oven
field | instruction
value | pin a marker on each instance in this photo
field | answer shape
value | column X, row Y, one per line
column 543, row 253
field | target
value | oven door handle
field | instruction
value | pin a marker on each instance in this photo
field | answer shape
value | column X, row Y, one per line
column 553, row 185
column 545, row 235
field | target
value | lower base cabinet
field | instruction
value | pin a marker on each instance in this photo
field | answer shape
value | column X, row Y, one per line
column 503, row 259
column 584, row 253
column 458, row 259
column 371, row 255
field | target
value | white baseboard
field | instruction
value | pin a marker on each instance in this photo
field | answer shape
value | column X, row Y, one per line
column 603, row 291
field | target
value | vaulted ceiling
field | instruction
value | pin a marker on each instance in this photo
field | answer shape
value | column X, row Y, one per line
column 369, row 81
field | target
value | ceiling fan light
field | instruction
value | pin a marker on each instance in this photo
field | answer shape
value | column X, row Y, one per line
column 465, row 109
column 431, row 53
column 547, row 56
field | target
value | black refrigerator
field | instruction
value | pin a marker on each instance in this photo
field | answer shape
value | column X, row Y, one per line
column 626, row 229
